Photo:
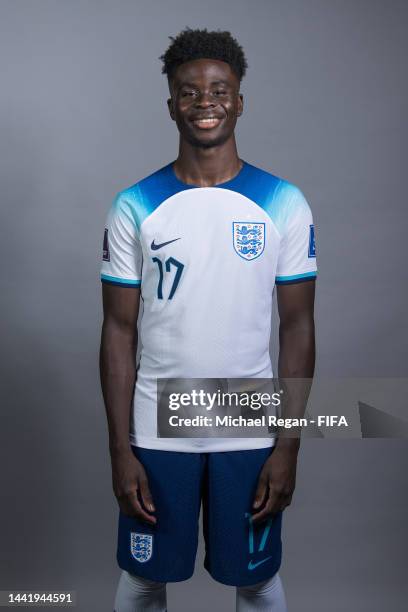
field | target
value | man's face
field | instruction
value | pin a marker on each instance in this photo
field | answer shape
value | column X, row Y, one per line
column 205, row 101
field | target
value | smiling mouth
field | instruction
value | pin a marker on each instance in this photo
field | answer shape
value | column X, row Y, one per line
column 207, row 123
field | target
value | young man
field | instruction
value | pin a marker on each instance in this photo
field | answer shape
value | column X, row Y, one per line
column 203, row 241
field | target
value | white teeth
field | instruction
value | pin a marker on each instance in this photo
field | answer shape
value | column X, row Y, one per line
column 209, row 120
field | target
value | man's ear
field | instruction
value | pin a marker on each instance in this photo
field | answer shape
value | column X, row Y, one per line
column 240, row 105
column 171, row 108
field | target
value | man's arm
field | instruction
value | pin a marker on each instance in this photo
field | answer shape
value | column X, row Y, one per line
column 296, row 351
column 118, row 375
column 296, row 360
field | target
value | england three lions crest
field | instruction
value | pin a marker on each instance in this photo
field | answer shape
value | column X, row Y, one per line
column 141, row 546
column 248, row 239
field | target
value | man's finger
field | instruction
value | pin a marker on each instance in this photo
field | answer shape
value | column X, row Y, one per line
column 287, row 501
column 271, row 507
column 131, row 506
column 143, row 515
column 147, row 498
column 260, row 492
column 264, row 514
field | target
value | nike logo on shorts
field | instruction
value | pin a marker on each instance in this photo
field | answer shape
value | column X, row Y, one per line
column 252, row 566
column 155, row 247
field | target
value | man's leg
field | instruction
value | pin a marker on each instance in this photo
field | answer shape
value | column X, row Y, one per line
column 238, row 552
column 135, row 594
column 164, row 552
column 267, row 596
column 152, row 555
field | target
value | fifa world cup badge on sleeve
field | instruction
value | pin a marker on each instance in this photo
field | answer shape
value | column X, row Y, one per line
column 106, row 255
column 312, row 244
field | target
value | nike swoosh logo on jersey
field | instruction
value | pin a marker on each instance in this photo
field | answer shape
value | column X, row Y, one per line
column 155, row 247
column 252, row 566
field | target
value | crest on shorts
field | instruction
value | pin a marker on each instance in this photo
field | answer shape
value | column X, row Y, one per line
column 248, row 239
column 141, row 546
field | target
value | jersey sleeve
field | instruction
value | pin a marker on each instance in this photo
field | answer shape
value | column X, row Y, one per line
column 297, row 252
column 122, row 253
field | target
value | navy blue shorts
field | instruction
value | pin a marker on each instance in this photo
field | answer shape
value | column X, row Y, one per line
column 238, row 553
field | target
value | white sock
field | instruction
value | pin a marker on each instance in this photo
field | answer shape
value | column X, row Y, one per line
column 136, row 594
column 267, row 596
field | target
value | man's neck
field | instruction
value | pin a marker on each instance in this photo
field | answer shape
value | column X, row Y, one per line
column 205, row 167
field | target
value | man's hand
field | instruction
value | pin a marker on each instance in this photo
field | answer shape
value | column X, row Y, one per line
column 131, row 487
column 276, row 484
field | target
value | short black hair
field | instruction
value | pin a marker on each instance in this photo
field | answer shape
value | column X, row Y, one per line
column 192, row 44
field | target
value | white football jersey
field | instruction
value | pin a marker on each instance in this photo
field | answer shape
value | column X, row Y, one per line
column 207, row 260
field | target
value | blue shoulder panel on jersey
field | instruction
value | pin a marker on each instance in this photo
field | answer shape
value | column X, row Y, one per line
column 270, row 192
column 146, row 195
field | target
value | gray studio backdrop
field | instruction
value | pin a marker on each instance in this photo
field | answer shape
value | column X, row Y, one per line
column 83, row 115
